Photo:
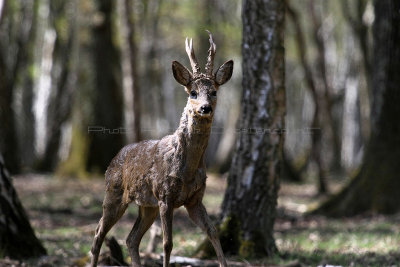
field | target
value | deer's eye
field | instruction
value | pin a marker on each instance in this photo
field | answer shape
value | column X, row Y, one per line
column 214, row 93
column 193, row 94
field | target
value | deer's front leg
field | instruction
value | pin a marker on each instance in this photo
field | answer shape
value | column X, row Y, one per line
column 146, row 217
column 197, row 212
column 166, row 215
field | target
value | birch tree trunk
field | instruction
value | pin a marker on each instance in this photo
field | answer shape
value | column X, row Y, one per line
column 65, row 56
column 249, row 207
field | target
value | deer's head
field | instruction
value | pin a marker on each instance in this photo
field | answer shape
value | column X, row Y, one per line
column 202, row 87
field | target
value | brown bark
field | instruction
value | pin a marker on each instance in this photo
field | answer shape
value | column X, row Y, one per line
column 248, row 210
column 375, row 188
column 17, row 238
column 108, row 104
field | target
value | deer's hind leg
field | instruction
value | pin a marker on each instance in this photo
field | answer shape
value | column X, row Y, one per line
column 146, row 217
column 113, row 209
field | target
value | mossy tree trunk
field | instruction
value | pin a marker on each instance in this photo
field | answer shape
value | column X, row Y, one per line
column 249, row 207
column 376, row 187
column 17, row 238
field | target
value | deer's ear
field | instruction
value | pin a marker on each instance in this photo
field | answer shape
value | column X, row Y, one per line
column 224, row 73
column 181, row 74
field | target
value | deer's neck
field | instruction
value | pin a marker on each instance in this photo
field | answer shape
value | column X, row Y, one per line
column 193, row 134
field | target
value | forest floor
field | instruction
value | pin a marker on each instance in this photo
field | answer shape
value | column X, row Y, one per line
column 65, row 212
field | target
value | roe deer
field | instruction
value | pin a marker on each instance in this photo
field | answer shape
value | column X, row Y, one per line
column 161, row 175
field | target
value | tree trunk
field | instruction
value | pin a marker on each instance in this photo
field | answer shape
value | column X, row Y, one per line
column 108, row 104
column 8, row 140
column 248, row 210
column 63, row 78
column 152, row 67
column 17, row 238
column 326, row 99
column 12, row 40
column 130, row 26
column 318, row 119
column 361, row 31
column 26, row 125
column 375, row 188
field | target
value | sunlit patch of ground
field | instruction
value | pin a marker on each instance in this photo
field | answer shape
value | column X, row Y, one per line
column 65, row 212
column 316, row 240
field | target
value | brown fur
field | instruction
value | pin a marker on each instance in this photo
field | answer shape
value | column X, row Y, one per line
column 161, row 175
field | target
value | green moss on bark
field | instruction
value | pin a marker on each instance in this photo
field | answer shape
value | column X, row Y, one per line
column 232, row 241
column 229, row 235
column 247, row 249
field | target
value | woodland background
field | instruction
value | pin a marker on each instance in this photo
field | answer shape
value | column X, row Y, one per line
column 59, row 61
column 61, row 124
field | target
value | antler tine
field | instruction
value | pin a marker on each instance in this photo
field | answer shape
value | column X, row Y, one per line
column 211, row 54
column 192, row 57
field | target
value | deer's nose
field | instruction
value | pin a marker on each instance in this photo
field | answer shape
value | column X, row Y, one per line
column 206, row 109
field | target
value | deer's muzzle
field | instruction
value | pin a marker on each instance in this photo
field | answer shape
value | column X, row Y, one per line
column 205, row 110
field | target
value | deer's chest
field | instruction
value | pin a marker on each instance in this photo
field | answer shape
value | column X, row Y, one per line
column 181, row 189
column 179, row 181
column 179, row 170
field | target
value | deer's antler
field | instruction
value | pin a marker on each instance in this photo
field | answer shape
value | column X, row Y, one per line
column 192, row 57
column 211, row 54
